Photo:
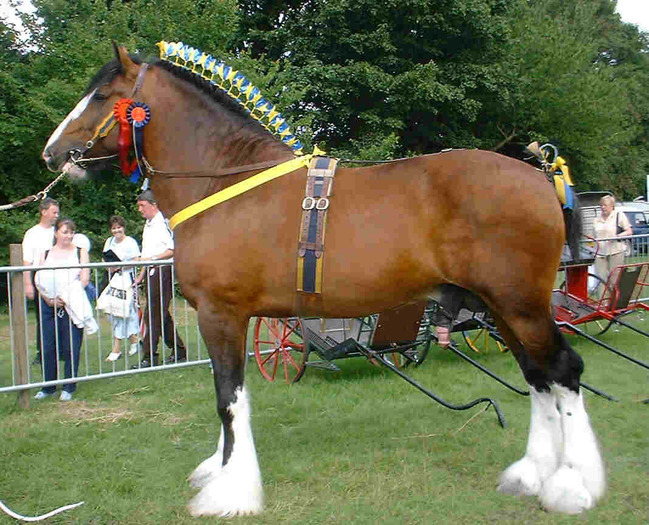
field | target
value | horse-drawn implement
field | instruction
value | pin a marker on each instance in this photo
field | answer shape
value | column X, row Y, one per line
column 404, row 336
column 395, row 339
column 583, row 299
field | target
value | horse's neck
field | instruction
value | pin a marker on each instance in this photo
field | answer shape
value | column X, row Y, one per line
column 196, row 132
column 197, row 135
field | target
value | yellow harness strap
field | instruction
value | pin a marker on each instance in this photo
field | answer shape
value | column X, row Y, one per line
column 239, row 188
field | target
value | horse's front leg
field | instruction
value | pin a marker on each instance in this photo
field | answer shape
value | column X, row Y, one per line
column 230, row 480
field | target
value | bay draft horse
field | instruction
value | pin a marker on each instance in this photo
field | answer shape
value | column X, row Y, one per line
column 475, row 219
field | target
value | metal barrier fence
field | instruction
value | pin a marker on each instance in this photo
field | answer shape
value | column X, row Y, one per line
column 20, row 360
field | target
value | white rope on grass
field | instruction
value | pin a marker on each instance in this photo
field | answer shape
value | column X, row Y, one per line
column 38, row 518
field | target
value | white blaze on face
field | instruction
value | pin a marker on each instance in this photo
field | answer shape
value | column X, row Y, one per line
column 74, row 114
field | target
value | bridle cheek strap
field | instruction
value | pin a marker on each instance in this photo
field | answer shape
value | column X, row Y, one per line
column 107, row 125
column 102, row 131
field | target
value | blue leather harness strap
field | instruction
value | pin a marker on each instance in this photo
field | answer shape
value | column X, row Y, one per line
column 312, row 231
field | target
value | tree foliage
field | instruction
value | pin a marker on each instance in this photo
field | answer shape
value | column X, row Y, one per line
column 419, row 70
column 576, row 68
column 42, row 79
column 370, row 78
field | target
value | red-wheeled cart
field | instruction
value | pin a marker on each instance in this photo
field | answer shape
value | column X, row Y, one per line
column 584, row 299
column 396, row 339
column 285, row 347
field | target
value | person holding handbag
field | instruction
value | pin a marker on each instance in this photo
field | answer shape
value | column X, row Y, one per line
column 65, row 308
column 120, row 247
column 610, row 225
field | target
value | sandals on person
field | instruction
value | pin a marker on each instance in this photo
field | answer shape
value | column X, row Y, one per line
column 113, row 356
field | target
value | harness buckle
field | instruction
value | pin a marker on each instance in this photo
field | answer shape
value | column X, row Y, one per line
column 308, row 203
column 322, row 204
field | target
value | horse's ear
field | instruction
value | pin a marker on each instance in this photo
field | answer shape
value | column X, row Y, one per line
column 121, row 54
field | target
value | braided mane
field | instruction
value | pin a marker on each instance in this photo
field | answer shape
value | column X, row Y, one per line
column 245, row 96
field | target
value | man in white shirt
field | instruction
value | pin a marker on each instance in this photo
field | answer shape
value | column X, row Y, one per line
column 157, row 244
column 36, row 241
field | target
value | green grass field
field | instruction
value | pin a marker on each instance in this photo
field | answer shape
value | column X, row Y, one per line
column 355, row 446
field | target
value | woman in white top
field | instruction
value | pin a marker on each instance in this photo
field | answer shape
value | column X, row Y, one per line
column 65, row 308
column 126, row 249
column 610, row 254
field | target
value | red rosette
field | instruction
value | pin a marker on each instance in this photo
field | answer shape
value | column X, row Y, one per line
column 120, row 108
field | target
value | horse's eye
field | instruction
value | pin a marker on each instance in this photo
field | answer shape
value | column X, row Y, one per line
column 100, row 96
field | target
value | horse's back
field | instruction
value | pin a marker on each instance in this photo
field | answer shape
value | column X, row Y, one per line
column 462, row 197
column 482, row 183
column 393, row 232
column 471, row 218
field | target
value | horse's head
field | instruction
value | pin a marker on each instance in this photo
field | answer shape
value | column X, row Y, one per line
column 88, row 132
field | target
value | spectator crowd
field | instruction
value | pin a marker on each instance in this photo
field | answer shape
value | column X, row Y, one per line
column 62, row 292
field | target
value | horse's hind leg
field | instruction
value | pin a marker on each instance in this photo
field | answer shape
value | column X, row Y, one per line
column 230, row 479
column 562, row 463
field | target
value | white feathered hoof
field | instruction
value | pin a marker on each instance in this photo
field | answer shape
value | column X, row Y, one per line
column 521, row 479
column 225, row 496
column 565, row 492
column 206, row 471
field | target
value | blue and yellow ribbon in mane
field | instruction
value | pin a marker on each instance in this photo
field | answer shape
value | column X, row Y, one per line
column 233, row 84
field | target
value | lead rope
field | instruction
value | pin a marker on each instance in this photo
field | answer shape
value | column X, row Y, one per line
column 37, row 196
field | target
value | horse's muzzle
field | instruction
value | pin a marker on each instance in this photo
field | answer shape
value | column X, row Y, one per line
column 54, row 161
column 66, row 164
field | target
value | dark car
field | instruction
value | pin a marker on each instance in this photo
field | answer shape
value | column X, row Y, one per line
column 640, row 226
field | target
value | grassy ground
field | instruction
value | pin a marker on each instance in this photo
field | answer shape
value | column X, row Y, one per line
column 355, row 446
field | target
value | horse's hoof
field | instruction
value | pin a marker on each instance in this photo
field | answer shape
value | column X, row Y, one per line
column 521, row 479
column 220, row 498
column 565, row 492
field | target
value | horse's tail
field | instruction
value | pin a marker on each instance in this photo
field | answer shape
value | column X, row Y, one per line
column 572, row 220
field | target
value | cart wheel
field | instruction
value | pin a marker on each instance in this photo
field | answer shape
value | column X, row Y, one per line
column 479, row 340
column 279, row 346
column 598, row 326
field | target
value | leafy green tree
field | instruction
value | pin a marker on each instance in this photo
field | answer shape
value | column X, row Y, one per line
column 417, row 70
column 577, row 69
column 397, row 78
column 42, row 79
